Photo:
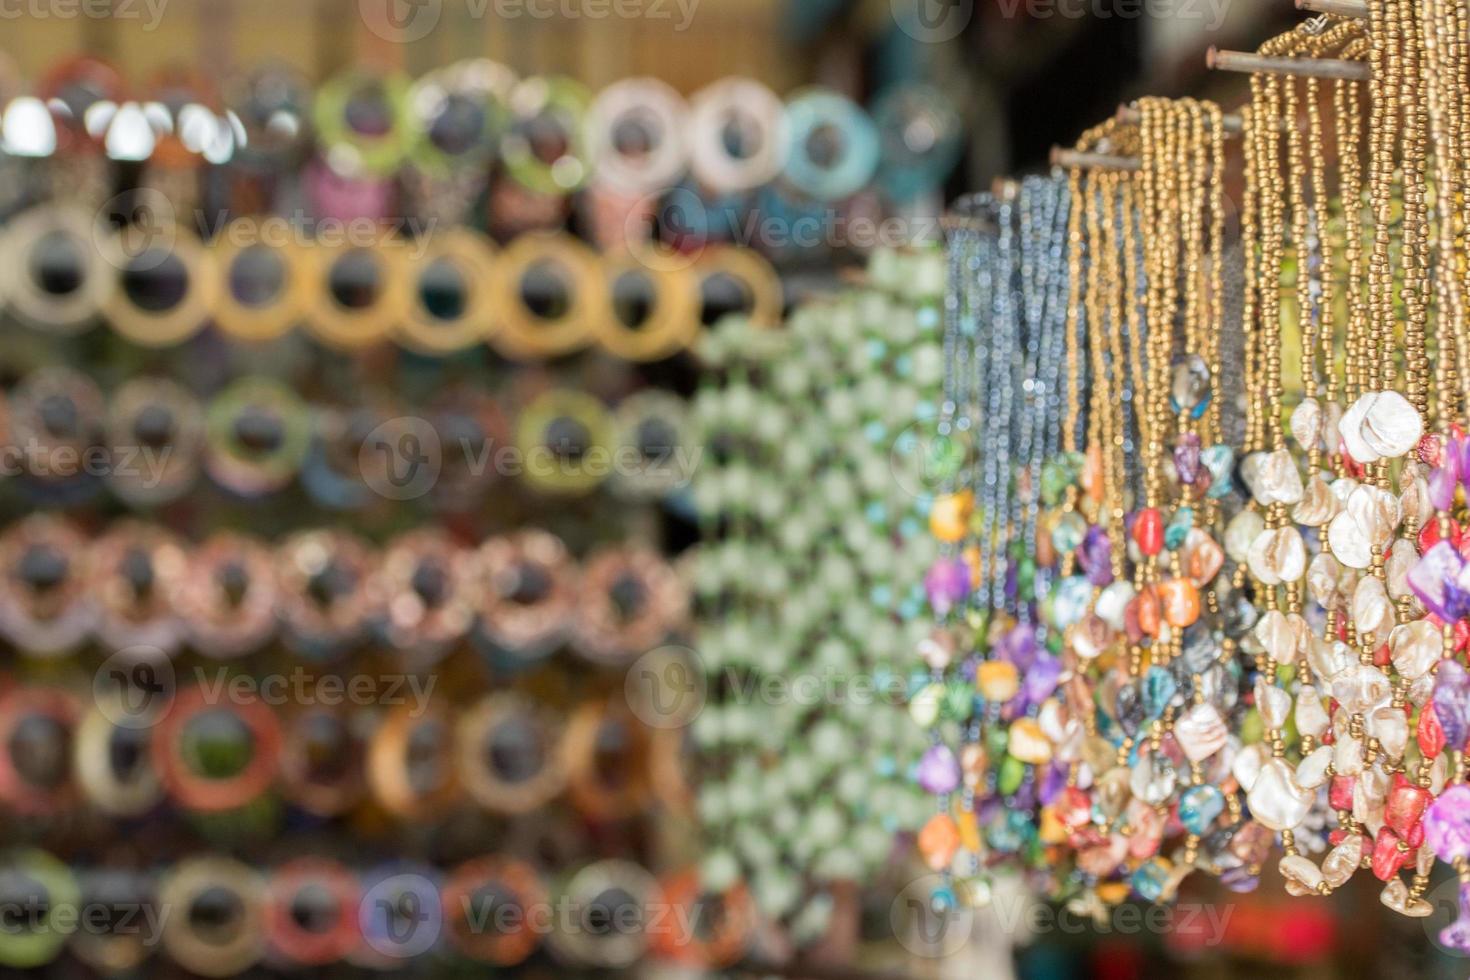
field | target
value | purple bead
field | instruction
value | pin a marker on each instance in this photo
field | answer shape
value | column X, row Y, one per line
column 1239, row 880
column 1452, row 707
column 1024, row 797
column 1460, row 452
column 1186, row 458
column 1456, row 936
column 939, row 770
column 1431, row 576
column 1018, row 645
column 1053, row 781
column 1442, row 484
column 947, row 585
column 1040, row 681
column 1095, row 555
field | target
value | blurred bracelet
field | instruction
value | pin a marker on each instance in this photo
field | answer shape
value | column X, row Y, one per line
column 565, row 440
column 227, row 599
column 311, row 911
column 264, row 286
column 717, row 930
column 738, row 281
column 545, row 147
column 424, row 589
column 509, row 755
column 451, row 302
column 632, row 602
column 134, row 576
column 357, row 294
column 37, row 727
column 257, row 432
column 651, row 313
column 363, row 122
column 411, row 768
column 637, row 133
column 44, row 607
column 155, row 433
column 561, row 317
column 115, row 946
column 834, row 145
column 613, row 902
column 489, row 907
column 528, row 588
column 325, row 600
column 55, row 277
column 218, row 925
column 111, row 757
column 323, row 758
column 655, row 445
column 737, row 135
column 43, row 895
column 216, row 757
column 606, row 750
column 166, row 284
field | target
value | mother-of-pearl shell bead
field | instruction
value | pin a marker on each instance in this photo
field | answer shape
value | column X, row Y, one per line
column 1302, row 876
column 1311, row 772
column 1112, row 603
column 1415, row 648
column 1276, row 635
column 1401, row 559
column 1323, row 574
column 1374, row 614
column 1329, row 658
column 1278, row 555
column 1360, row 687
column 1349, row 543
column 1311, row 717
column 1241, row 533
column 1390, row 726
column 1279, row 481
column 1247, row 765
column 1276, row 800
column 1272, row 702
column 1376, row 512
column 1391, row 426
column 1308, row 424
column 1201, row 732
column 1318, row 504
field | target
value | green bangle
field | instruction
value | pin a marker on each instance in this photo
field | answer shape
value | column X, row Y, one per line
column 535, row 102
column 43, row 890
column 352, row 151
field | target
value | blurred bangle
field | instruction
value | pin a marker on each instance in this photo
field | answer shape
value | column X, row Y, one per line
column 424, row 588
column 528, row 593
column 632, row 602
column 459, row 113
column 709, row 931
column 473, row 429
column 57, row 424
column 229, row 760
column 322, row 761
column 755, row 288
column 257, row 432
column 636, row 131
column 71, row 89
column 489, row 907
column 357, row 294
column 217, row 928
column 113, row 765
column 156, row 435
column 565, row 440
column 754, row 116
column 545, row 150
column 42, row 892
column 654, row 436
column 606, row 750
column 44, row 608
column 115, row 946
column 612, row 902
column 272, row 105
column 325, row 601
column 450, row 301
column 263, row 286
column 411, row 767
column 54, row 277
column 227, row 599
column 166, row 284
column 37, row 727
column 525, row 333
column 134, row 576
column 311, row 915
column 509, row 757
column 363, row 122
column 853, row 145
column 668, row 298
column 922, row 137
column 340, row 467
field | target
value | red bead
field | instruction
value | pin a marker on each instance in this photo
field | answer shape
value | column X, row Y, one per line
column 1462, row 635
column 1148, row 531
column 1431, row 449
column 1381, row 657
column 1387, row 858
column 1073, row 808
column 1337, row 837
column 1340, row 793
column 1405, row 806
column 1430, row 732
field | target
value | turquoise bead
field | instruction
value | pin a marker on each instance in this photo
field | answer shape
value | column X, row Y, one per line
column 1149, row 880
column 1199, row 806
column 1219, row 460
column 1159, row 688
column 1179, row 528
column 1069, row 601
column 1069, row 532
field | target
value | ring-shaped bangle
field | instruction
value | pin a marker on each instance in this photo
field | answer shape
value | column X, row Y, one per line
column 57, row 410
column 271, row 104
column 227, row 599
column 525, row 334
column 101, row 748
column 37, row 727
column 471, row 95
column 322, row 761
column 117, row 946
column 311, row 911
column 815, row 112
column 560, row 435
column 474, row 895
column 663, row 116
column 340, row 472
column 509, row 757
column 757, row 113
column 599, row 733
column 921, row 137
column 325, row 601
column 133, row 577
column 653, row 439
column 155, row 431
column 257, row 432
column 166, row 285
column 350, row 150
column 263, row 285
column 424, row 594
column 218, row 929
column 43, row 889
column 714, row 941
column 527, row 594
column 363, row 307
column 543, row 101
column 599, row 936
column 44, row 606
column 207, row 792
column 55, row 277
column 762, row 294
column 632, row 601
column 671, row 323
column 401, row 915
column 392, row 753
column 72, row 90
column 473, row 427
column 451, row 303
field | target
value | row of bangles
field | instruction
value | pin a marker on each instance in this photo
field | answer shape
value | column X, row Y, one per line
column 217, row 916
column 518, row 597
column 1200, row 599
column 148, row 442
column 446, row 131
column 240, row 751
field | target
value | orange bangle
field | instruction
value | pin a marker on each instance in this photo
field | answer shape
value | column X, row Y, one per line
column 60, row 712
column 390, row 762
column 715, row 940
column 479, row 932
column 599, row 733
column 489, row 736
column 293, row 899
column 197, row 791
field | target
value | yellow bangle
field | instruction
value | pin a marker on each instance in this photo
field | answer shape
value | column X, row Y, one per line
column 263, row 287
column 216, row 949
column 763, row 295
column 526, row 334
column 455, row 309
column 176, row 260
column 349, row 322
column 494, row 780
column 551, row 459
column 672, row 320
column 54, row 276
